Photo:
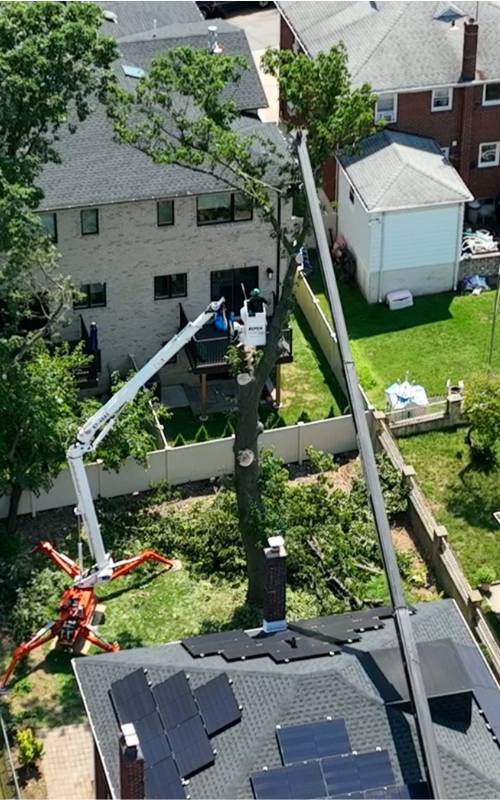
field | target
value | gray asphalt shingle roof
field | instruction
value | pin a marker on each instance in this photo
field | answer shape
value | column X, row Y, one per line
column 300, row 692
column 134, row 16
column 96, row 170
column 396, row 45
column 400, row 170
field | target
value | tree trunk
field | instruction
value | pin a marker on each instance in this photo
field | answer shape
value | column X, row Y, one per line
column 250, row 511
column 15, row 497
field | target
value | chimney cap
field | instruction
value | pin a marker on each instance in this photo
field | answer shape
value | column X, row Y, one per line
column 276, row 542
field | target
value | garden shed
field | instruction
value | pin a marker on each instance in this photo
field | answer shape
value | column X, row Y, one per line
column 401, row 209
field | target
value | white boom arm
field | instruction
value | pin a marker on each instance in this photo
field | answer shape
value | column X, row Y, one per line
column 99, row 425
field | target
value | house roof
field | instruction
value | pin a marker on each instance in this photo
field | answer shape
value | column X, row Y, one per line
column 134, row 16
column 96, row 170
column 398, row 45
column 396, row 170
column 303, row 691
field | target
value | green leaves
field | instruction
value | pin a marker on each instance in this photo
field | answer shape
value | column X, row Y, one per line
column 482, row 407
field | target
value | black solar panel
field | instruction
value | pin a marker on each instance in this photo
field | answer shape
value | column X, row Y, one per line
column 488, row 701
column 374, row 769
column 175, row 700
column 217, row 704
column 299, row 648
column 357, row 772
column 246, row 648
column 211, row 643
column 162, row 781
column 313, row 740
column 155, row 749
column 131, row 697
column 299, row 782
column 190, row 746
column 149, row 727
column 331, row 628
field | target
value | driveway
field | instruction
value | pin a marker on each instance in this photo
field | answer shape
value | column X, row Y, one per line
column 263, row 30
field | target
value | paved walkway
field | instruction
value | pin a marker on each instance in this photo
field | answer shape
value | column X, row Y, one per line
column 68, row 763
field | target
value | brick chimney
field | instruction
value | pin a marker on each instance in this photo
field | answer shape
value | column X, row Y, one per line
column 275, row 588
column 469, row 55
column 131, row 765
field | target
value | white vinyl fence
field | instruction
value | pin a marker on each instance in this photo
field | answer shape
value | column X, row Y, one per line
column 192, row 462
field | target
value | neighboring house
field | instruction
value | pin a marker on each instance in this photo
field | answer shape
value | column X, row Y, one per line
column 401, row 209
column 435, row 67
column 352, row 683
column 150, row 245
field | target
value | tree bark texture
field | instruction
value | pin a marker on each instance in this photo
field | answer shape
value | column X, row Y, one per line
column 15, row 497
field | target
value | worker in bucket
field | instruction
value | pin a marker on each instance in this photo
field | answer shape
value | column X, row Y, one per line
column 256, row 302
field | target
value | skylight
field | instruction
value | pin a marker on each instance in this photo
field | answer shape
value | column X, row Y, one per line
column 133, row 72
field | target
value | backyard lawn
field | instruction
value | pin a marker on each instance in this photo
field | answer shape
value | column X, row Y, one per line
column 442, row 336
column 307, row 384
column 462, row 497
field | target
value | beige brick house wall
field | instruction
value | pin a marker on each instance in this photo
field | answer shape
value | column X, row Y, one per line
column 130, row 249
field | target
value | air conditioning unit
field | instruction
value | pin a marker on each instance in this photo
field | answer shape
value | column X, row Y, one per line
column 401, row 298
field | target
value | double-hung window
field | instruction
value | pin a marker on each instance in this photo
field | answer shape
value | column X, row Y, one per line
column 386, row 108
column 49, row 222
column 491, row 94
column 168, row 286
column 489, row 154
column 442, row 99
column 93, row 296
column 165, row 212
column 223, row 207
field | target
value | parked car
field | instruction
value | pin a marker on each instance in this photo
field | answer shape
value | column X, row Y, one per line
column 211, row 8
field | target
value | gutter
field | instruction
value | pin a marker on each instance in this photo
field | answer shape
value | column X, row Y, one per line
column 94, row 735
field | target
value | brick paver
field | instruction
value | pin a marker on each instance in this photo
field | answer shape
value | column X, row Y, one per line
column 68, row 763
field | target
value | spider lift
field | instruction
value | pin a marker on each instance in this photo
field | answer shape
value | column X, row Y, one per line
column 78, row 602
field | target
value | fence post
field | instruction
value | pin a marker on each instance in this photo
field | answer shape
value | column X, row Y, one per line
column 454, row 403
column 300, row 426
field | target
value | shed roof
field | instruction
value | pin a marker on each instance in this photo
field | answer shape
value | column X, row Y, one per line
column 396, row 170
column 396, row 45
column 303, row 691
column 134, row 16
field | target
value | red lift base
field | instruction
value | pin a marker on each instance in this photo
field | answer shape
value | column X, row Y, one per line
column 76, row 609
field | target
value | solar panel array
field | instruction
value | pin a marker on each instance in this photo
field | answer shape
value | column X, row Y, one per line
column 173, row 724
column 319, row 762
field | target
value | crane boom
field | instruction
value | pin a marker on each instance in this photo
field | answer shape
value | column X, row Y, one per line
column 408, row 647
column 96, row 429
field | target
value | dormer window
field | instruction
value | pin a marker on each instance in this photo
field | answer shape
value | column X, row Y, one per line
column 386, row 108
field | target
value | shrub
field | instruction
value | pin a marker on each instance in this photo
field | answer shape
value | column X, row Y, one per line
column 37, row 602
column 484, row 574
column 202, row 434
column 304, row 416
column 319, row 460
column 482, row 406
column 30, row 748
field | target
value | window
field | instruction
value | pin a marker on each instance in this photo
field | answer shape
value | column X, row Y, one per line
column 168, row 286
column 94, row 295
column 442, row 99
column 446, row 152
column 351, row 195
column 386, row 108
column 223, row 207
column 165, row 212
column 227, row 283
column 89, row 220
column 489, row 153
column 491, row 94
column 49, row 222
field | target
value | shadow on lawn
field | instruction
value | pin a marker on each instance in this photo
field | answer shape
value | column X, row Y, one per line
column 475, row 497
column 364, row 319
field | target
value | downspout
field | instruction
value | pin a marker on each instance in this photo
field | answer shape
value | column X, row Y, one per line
column 459, row 245
column 278, row 251
column 381, row 222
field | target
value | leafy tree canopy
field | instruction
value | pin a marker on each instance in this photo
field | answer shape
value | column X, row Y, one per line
column 482, row 407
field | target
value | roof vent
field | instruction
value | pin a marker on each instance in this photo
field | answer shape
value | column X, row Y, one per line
column 154, row 29
column 110, row 16
column 213, row 44
column 448, row 12
column 133, row 72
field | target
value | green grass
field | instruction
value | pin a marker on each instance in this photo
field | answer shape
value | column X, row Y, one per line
column 441, row 336
column 307, row 384
column 462, row 497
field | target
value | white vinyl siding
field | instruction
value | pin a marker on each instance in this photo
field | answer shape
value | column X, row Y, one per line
column 353, row 222
column 417, row 238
